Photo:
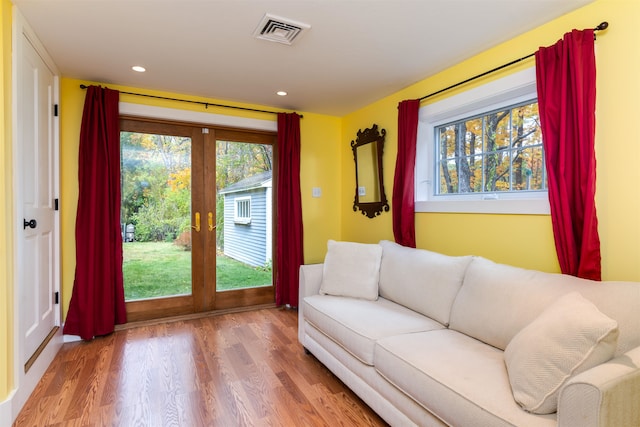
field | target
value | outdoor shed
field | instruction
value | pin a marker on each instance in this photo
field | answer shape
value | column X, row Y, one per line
column 248, row 219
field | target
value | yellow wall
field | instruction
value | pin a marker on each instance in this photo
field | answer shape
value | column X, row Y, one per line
column 6, row 214
column 320, row 168
column 618, row 174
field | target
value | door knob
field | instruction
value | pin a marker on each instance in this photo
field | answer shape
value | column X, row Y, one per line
column 30, row 224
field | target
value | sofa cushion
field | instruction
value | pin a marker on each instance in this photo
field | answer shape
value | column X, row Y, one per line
column 351, row 269
column 424, row 281
column 356, row 324
column 461, row 380
column 567, row 338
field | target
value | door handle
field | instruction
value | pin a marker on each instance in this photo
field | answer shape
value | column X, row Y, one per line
column 211, row 226
column 31, row 224
column 197, row 226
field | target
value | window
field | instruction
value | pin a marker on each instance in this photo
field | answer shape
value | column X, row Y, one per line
column 497, row 151
column 242, row 210
column 481, row 151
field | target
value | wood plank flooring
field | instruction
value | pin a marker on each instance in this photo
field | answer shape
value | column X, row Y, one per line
column 239, row 369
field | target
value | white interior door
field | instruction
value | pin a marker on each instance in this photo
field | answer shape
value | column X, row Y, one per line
column 36, row 188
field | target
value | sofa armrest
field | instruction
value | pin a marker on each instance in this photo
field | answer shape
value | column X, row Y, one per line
column 607, row 395
column 310, row 279
column 309, row 284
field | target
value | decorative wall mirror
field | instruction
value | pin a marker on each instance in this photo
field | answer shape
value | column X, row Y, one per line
column 367, row 153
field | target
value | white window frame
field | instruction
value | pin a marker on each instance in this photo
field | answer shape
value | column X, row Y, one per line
column 512, row 89
column 241, row 219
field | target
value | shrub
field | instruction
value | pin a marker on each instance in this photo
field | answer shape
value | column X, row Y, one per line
column 184, row 240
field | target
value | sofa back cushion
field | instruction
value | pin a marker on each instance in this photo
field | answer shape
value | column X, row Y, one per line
column 496, row 301
column 424, row 281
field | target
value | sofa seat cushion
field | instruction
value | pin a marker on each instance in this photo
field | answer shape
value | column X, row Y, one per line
column 356, row 324
column 459, row 379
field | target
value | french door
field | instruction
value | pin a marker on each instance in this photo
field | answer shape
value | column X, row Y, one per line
column 178, row 208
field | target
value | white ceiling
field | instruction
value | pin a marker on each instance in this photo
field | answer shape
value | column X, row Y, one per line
column 356, row 52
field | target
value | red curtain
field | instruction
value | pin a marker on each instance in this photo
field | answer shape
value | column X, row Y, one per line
column 403, row 200
column 566, row 80
column 289, row 248
column 97, row 301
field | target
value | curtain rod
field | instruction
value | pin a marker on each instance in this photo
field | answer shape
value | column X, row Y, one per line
column 206, row 104
column 603, row 26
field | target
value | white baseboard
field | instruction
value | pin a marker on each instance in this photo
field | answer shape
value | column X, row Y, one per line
column 72, row 338
column 6, row 418
column 27, row 382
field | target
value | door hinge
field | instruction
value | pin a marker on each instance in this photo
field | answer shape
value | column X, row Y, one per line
column 205, row 130
column 55, row 205
column 55, row 110
column 56, row 297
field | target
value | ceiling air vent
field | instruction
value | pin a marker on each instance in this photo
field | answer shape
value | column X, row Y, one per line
column 280, row 30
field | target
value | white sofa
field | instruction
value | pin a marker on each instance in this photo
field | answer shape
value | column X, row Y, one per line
column 428, row 339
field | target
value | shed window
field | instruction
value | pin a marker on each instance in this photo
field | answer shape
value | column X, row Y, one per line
column 242, row 210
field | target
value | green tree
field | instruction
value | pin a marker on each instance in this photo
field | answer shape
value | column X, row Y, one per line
column 238, row 160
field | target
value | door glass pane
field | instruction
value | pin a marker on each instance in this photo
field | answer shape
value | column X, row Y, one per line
column 156, row 215
column 244, row 216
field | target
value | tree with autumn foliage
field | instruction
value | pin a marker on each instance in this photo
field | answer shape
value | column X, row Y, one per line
column 156, row 185
column 497, row 151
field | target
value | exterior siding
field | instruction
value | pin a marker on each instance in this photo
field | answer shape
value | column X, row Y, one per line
column 247, row 242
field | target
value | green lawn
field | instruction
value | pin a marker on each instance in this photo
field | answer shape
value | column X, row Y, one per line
column 155, row 269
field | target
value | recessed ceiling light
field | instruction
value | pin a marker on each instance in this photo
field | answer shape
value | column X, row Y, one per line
column 281, row 93
column 138, row 68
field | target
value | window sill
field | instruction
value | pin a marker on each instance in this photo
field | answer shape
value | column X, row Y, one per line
column 513, row 206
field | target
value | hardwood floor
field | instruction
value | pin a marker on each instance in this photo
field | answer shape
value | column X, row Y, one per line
column 239, row 369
